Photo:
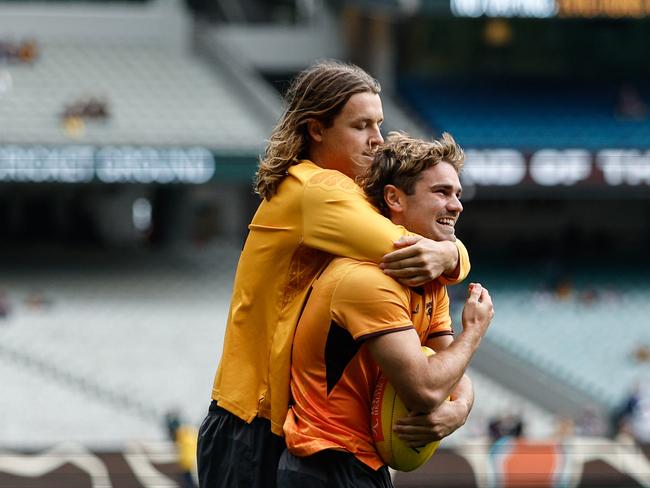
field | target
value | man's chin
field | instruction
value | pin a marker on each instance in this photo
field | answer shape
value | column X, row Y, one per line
column 440, row 237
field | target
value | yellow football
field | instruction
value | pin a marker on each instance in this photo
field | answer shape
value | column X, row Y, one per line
column 387, row 407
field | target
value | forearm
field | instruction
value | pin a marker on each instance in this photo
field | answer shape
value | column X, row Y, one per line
column 420, row 429
column 458, row 265
column 463, row 396
column 453, row 258
column 447, row 370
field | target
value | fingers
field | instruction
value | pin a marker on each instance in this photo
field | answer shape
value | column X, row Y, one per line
column 474, row 292
column 405, row 262
column 413, row 420
column 417, row 440
column 478, row 306
column 405, row 272
column 400, row 254
column 419, row 429
column 416, row 436
column 485, row 297
column 406, row 241
column 413, row 430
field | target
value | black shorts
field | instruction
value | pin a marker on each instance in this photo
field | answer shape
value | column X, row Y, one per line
column 234, row 454
column 329, row 469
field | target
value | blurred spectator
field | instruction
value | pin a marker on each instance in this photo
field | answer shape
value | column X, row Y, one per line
column 630, row 105
column 185, row 439
column 634, row 415
column 36, row 300
column 74, row 127
column 87, row 108
column 506, row 426
column 589, row 296
column 76, row 115
column 624, row 433
column 23, row 52
column 641, row 353
column 556, row 282
column 590, row 423
column 564, row 428
column 28, row 51
column 564, row 288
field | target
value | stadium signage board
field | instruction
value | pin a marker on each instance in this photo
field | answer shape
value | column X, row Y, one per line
column 550, row 8
column 557, row 167
column 110, row 164
column 503, row 8
column 603, row 8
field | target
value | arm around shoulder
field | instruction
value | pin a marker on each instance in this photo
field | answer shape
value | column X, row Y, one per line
column 460, row 269
column 339, row 220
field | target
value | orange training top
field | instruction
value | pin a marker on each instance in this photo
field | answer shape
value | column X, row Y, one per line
column 333, row 374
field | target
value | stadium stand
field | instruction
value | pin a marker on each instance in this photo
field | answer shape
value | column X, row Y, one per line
column 582, row 329
column 104, row 318
column 529, row 113
column 97, row 346
column 495, row 401
column 156, row 96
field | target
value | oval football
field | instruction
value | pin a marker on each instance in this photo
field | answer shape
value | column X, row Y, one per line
column 386, row 409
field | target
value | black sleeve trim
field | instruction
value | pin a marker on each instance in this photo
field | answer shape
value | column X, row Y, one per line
column 383, row 332
column 440, row 334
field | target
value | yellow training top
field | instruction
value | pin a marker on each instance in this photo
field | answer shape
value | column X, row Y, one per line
column 316, row 214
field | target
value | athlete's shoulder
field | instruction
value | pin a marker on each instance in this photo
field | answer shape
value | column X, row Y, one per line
column 365, row 300
column 363, row 278
column 313, row 176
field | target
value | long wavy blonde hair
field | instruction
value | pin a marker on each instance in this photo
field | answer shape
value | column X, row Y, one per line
column 400, row 160
column 320, row 92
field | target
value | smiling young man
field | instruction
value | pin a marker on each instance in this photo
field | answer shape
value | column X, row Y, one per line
column 311, row 211
column 357, row 321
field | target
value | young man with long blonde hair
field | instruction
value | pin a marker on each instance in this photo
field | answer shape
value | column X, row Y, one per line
column 311, row 211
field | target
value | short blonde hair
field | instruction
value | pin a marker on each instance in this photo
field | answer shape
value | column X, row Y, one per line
column 401, row 159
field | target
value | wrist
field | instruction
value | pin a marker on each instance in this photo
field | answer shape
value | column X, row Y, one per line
column 471, row 335
column 465, row 408
column 453, row 257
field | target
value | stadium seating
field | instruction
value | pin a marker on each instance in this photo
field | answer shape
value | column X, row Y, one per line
column 115, row 341
column 494, row 401
column 528, row 114
column 582, row 330
column 155, row 96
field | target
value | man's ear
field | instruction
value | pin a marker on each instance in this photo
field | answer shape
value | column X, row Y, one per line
column 394, row 198
column 315, row 130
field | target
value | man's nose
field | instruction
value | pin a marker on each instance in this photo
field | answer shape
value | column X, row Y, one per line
column 455, row 204
column 376, row 138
